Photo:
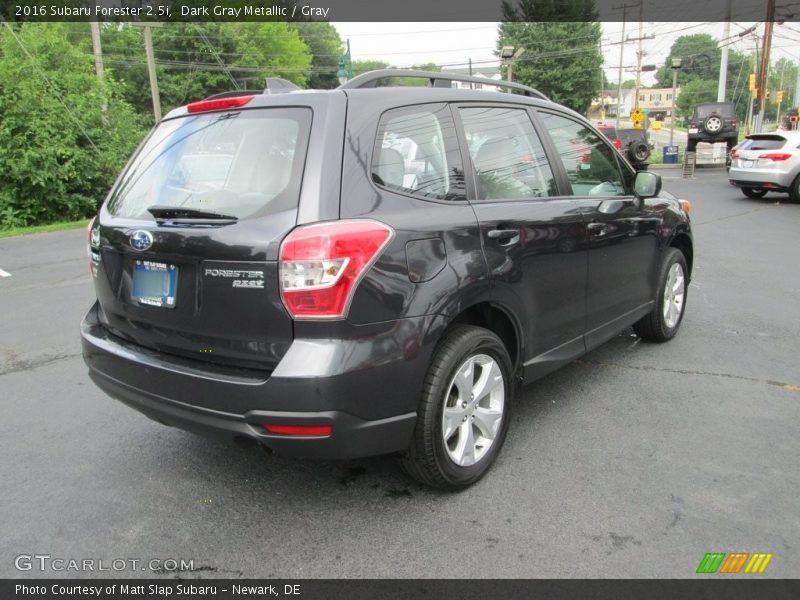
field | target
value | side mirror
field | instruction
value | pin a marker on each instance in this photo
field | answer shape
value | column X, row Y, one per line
column 646, row 184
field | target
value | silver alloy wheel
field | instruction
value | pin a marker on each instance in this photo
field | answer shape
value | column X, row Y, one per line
column 713, row 124
column 674, row 294
column 473, row 410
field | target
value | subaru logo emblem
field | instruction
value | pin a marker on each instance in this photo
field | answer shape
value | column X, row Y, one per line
column 141, row 239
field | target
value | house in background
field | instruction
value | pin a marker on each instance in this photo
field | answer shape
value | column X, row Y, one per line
column 657, row 102
column 485, row 72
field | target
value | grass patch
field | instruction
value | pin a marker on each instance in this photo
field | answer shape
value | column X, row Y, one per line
column 15, row 231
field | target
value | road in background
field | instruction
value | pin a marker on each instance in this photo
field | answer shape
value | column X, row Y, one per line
column 631, row 462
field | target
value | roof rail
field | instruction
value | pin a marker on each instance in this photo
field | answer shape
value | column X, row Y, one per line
column 370, row 79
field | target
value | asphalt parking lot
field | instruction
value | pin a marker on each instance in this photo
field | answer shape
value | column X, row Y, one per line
column 632, row 462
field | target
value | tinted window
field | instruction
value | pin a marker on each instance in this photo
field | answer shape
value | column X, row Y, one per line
column 243, row 164
column 507, row 155
column 720, row 108
column 591, row 164
column 416, row 152
column 767, row 142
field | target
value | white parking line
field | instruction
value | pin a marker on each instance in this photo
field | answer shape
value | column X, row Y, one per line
column 4, row 273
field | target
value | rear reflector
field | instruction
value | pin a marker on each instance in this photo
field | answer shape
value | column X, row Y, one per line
column 307, row 430
column 322, row 264
column 219, row 104
column 775, row 156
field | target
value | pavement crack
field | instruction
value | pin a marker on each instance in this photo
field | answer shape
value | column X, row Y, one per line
column 18, row 366
column 786, row 386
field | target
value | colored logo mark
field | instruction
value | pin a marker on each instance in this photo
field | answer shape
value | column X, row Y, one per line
column 732, row 563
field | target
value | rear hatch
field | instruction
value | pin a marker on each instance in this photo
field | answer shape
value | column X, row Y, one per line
column 761, row 151
column 185, row 247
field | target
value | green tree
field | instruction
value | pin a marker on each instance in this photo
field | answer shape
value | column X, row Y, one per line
column 628, row 84
column 362, row 66
column 700, row 58
column 562, row 48
column 695, row 92
column 326, row 47
column 59, row 152
column 195, row 60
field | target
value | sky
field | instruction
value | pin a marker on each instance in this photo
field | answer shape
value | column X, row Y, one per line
column 453, row 44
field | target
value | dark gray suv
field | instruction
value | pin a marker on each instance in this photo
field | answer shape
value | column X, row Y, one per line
column 713, row 123
column 373, row 269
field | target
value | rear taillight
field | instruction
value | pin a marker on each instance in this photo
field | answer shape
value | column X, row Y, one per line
column 734, row 122
column 321, row 265
column 219, row 104
column 693, row 124
column 617, row 143
column 775, row 156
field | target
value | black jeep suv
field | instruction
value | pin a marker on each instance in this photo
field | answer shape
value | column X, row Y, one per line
column 373, row 269
column 713, row 123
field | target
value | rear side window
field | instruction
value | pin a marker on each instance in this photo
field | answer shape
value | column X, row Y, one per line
column 247, row 163
column 508, row 157
column 416, row 152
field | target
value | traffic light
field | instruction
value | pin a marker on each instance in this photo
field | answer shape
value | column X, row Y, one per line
column 779, row 97
column 752, row 82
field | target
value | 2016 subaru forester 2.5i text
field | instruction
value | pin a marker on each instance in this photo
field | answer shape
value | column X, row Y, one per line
column 373, row 269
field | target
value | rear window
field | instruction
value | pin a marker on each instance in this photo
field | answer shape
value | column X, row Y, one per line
column 246, row 164
column 720, row 108
column 763, row 142
column 608, row 131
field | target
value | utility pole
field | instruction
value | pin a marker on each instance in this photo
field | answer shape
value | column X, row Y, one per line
column 723, row 67
column 97, row 50
column 151, row 64
column 762, row 72
column 639, row 56
column 779, row 98
column 624, row 8
column 723, row 64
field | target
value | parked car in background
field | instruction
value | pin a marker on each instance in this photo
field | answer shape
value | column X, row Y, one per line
column 713, row 123
column 767, row 162
column 371, row 269
column 632, row 144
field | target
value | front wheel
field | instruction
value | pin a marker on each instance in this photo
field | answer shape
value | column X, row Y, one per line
column 662, row 323
column 464, row 410
column 754, row 193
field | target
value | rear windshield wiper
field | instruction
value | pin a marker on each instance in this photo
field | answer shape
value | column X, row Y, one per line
column 189, row 216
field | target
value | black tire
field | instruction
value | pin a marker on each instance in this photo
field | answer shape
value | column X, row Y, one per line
column 654, row 327
column 429, row 458
column 794, row 190
column 638, row 151
column 754, row 193
column 691, row 146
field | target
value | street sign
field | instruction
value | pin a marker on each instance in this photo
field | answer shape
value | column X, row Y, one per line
column 637, row 117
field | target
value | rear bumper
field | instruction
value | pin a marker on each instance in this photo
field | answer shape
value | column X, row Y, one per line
column 769, row 179
column 369, row 402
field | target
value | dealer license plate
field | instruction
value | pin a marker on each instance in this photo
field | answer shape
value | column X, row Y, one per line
column 154, row 283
